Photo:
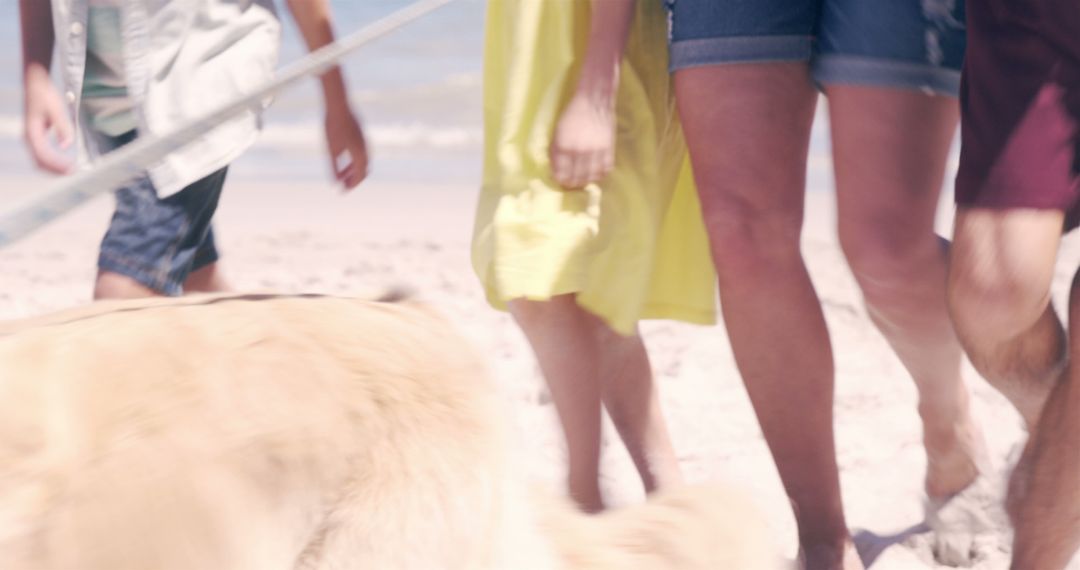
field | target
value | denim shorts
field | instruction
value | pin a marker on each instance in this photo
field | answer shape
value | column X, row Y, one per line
column 908, row 44
column 156, row 241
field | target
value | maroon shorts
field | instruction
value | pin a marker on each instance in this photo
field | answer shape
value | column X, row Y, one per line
column 1020, row 96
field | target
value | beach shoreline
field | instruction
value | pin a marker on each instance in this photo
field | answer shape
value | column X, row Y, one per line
column 308, row 238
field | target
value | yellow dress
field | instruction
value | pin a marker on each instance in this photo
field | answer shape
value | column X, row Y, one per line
column 632, row 247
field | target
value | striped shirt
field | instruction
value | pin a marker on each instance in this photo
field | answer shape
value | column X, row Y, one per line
column 105, row 101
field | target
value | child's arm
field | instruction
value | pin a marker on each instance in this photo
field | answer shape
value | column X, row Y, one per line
column 44, row 112
column 583, row 147
column 343, row 132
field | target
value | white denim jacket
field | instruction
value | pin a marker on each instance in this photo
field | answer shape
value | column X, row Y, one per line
column 182, row 59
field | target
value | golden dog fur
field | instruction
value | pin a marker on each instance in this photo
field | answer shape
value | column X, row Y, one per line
column 286, row 433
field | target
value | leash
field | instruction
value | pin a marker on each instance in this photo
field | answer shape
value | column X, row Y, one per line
column 131, row 161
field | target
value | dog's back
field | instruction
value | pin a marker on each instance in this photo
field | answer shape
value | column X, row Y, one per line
column 246, row 433
column 694, row 527
column 282, row 433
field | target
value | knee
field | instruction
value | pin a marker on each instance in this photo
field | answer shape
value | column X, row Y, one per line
column 991, row 302
column 551, row 320
column 1000, row 271
column 531, row 315
column 887, row 264
column 747, row 237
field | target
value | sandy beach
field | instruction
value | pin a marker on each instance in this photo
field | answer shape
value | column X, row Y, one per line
column 306, row 237
column 283, row 228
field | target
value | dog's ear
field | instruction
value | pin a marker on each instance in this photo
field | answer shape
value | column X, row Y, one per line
column 398, row 293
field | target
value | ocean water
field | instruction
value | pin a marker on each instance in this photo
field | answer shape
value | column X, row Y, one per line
column 417, row 91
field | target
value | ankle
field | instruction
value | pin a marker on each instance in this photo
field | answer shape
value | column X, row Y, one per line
column 829, row 554
column 659, row 471
column 588, row 504
column 949, row 408
column 822, row 538
column 947, row 426
column 586, row 495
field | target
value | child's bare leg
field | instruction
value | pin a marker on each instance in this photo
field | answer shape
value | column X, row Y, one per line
column 111, row 285
column 633, row 403
column 208, row 279
column 565, row 346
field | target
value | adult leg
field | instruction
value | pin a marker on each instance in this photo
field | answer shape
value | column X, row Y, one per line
column 747, row 128
column 890, row 148
column 999, row 297
column 1046, row 503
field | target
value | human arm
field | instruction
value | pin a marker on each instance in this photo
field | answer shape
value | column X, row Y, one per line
column 344, row 135
column 583, row 145
column 45, row 114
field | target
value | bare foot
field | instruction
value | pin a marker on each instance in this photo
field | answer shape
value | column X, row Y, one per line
column 963, row 497
column 826, row 557
column 967, row 526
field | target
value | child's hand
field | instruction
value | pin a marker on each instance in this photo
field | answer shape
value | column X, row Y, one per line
column 583, row 148
column 45, row 117
column 348, row 150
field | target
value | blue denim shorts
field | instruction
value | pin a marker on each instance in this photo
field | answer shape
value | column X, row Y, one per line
column 908, row 44
column 159, row 242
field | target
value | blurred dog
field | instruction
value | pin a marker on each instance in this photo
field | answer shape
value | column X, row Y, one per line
column 267, row 433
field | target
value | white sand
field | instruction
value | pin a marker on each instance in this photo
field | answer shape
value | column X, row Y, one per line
column 310, row 239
